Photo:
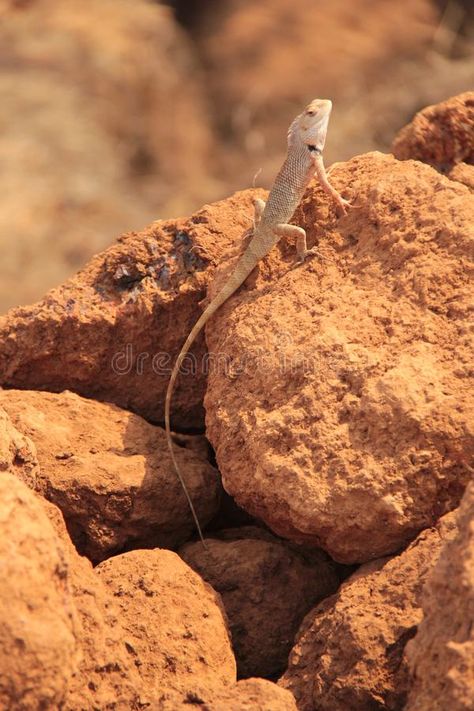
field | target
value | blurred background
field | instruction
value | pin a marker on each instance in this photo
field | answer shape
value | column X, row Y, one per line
column 114, row 113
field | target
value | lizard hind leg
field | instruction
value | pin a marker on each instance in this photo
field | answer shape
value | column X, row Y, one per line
column 302, row 251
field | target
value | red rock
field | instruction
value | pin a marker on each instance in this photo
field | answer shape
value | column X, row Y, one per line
column 113, row 331
column 174, row 626
column 105, row 676
column 267, row 587
column 441, row 135
column 463, row 173
column 441, row 655
column 342, row 418
column 349, row 650
column 140, row 631
column 110, row 473
column 38, row 649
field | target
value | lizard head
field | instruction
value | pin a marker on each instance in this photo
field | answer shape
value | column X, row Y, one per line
column 310, row 127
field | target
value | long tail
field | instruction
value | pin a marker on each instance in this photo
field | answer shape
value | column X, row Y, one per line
column 243, row 268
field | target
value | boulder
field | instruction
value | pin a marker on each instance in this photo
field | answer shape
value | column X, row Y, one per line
column 341, row 417
column 38, row 645
column 114, row 330
column 349, row 652
column 441, row 655
column 105, row 676
column 174, row 625
column 110, row 473
column 266, row 587
column 441, row 135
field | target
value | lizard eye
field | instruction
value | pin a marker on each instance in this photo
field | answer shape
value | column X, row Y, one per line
column 311, row 113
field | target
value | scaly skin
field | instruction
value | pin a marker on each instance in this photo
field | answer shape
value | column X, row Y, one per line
column 306, row 138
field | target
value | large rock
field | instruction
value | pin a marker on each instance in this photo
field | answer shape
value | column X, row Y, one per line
column 342, row 418
column 110, row 473
column 105, row 676
column 441, row 135
column 349, row 651
column 87, row 149
column 61, row 644
column 441, row 655
column 113, row 331
column 266, row 587
column 174, row 626
column 38, row 649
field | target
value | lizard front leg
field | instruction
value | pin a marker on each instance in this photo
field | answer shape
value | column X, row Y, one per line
column 327, row 187
column 302, row 251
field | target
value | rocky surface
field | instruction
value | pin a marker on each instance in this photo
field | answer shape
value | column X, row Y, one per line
column 337, row 403
column 38, row 648
column 441, row 655
column 110, row 473
column 342, row 418
column 266, row 589
column 17, row 452
column 174, row 625
column 349, row 650
column 113, row 331
column 441, row 135
column 142, row 630
column 104, row 676
column 86, row 149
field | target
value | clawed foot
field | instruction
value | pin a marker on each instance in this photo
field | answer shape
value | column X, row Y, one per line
column 303, row 256
column 343, row 205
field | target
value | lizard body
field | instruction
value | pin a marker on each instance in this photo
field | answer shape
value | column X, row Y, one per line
column 306, row 138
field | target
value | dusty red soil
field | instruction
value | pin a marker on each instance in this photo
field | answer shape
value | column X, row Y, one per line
column 340, row 417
